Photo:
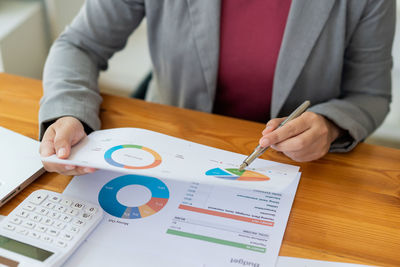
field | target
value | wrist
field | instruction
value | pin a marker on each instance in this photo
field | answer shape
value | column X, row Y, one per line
column 334, row 131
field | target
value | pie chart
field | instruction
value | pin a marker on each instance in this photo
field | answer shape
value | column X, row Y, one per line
column 110, row 204
column 132, row 157
column 235, row 174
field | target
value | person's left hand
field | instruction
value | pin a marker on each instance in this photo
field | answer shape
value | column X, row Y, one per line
column 305, row 138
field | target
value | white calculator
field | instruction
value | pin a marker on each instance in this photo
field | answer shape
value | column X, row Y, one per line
column 45, row 229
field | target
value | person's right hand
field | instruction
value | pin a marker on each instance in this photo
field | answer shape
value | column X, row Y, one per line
column 58, row 139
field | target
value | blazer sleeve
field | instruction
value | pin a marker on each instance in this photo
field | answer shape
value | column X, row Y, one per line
column 366, row 78
column 101, row 28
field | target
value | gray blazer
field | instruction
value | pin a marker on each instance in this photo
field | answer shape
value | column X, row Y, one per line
column 336, row 53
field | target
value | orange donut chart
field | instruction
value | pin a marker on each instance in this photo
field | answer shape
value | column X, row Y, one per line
column 111, row 161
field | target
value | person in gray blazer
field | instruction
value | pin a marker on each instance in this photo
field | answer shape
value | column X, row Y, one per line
column 335, row 53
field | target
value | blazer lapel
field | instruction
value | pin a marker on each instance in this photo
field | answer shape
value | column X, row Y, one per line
column 305, row 22
column 205, row 19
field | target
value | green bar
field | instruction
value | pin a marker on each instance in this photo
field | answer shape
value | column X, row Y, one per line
column 132, row 146
column 236, row 171
column 216, row 240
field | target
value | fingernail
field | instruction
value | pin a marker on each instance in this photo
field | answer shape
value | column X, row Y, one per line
column 69, row 167
column 264, row 142
column 62, row 152
column 87, row 169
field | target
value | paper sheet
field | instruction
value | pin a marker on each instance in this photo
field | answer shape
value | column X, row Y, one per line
column 139, row 151
column 152, row 221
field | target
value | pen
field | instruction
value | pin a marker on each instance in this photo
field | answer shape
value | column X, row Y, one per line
column 259, row 150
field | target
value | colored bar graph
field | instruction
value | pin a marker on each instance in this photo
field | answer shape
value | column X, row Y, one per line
column 216, row 240
column 226, row 215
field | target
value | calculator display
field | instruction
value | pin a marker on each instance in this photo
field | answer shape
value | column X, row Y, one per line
column 24, row 249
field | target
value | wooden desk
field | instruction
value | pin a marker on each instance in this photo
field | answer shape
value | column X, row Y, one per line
column 347, row 206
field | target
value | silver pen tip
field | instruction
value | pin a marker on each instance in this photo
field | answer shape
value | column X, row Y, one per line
column 242, row 166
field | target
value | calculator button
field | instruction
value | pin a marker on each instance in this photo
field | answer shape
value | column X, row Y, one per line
column 35, row 217
column 43, row 211
column 38, row 198
column 41, row 228
column 47, row 238
column 53, row 232
column 86, row 216
column 66, row 202
column 28, row 224
column 78, row 222
column 72, row 212
column 66, row 218
column 73, row 229
column 16, row 220
column 60, row 208
column 55, row 199
column 48, row 221
column 54, row 215
column 49, row 205
column 34, row 235
column 9, row 227
column 29, row 207
column 66, row 236
column 59, row 225
column 22, row 214
column 22, row 231
column 77, row 205
column 61, row 243
column 91, row 210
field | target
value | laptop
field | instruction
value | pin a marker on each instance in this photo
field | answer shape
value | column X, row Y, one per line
column 20, row 163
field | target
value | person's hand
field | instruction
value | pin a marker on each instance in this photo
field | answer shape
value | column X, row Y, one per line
column 305, row 138
column 58, row 139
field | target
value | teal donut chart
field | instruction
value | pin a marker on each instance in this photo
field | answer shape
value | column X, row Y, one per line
column 108, row 196
column 108, row 157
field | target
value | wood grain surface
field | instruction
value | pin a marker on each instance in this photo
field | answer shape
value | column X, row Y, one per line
column 347, row 206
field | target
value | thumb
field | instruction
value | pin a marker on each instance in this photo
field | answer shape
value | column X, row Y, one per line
column 68, row 132
column 62, row 142
column 47, row 145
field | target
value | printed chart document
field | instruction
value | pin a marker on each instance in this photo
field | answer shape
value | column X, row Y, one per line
column 171, row 202
column 152, row 221
column 139, row 151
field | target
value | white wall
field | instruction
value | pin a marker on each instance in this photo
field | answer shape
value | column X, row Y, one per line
column 60, row 14
column 127, row 68
column 23, row 39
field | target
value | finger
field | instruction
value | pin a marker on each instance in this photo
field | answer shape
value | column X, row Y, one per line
column 62, row 141
column 79, row 171
column 313, row 149
column 56, row 167
column 302, row 156
column 292, row 128
column 303, row 141
column 272, row 125
column 47, row 146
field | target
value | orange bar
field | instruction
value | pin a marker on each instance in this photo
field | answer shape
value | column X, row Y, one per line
column 226, row 215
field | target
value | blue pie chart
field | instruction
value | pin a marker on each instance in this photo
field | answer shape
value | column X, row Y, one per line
column 108, row 196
